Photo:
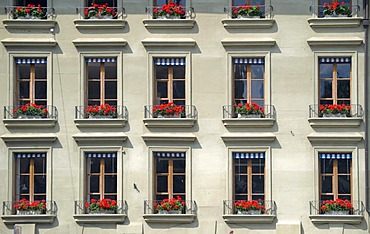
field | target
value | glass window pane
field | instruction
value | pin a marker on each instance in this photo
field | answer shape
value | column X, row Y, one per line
column 24, row 184
column 43, row 3
column 93, row 70
column 111, row 70
column 258, row 197
column 240, row 167
column 327, row 197
column 39, row 197
column 258, row 102
column 258, row 165
column 240, row 71
column 161, row 72
column 257, row 89
column 40, row 90
column 94, row 90
column 179, row 72
column 344, row 90
column 162, row 184
column 241, row 184
column 344, row 184
column 179, row 102
column 110, row 183
column 162, row 165
column 40, row 71
column 240, row 89
column 40, row 165
column 327, row 184
column 326, row 89
column 24, row 165
column 24, row 71
column 326, row 70
column 94, row 165
column 111, row 196
column 111, row 90
column 257, row 71
column 326, row 166
column 258, row 184
column 94, row 184
column 110, row 165
column 179, row 184
column 348, row 197
column 343, row 70
column 179, row 166
column 160, row 197
column 162, row 90
column 179, row 89
column 111, row 3
column 344, row 166
column 40, row 184
column 24, row 89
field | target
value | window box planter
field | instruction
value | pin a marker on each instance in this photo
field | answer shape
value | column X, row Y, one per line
column 84, row 120
column 233, row 120
column 185, row 120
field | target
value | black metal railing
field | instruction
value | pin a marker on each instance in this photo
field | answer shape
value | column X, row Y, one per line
column 318, row 11
column 358, row 208
column 229, row 111
column 266, row 12
column 80, row 208
column 269, row 207
column 150, row 207
column 189, row 112
column 355, row 112
column 150, row 10
column 115, row 13
column 47, row 13
column 9, row 209
column 10, row 112
column 120, row 113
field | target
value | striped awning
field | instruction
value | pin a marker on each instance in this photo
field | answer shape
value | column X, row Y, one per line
column 335, row 60
column 101, row 60
column 30, row 60
column 248, row 61
column 169, row 61
column 30, row 155
column 169, row 154
column 101, row 155
column 244, row 155
column 335, row 155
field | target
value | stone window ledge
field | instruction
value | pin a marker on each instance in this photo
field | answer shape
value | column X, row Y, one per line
column 335, row 41
column 169, row 23
column 335, row 137
column 335, row 122
column 169, row 218
column 252, row 219
column 170, row 42
column 248, row 23
column 29, row 137
column 251, row 123
column 29, row 42
column 103, row 218
column 169, row 137
column 29, row 123
column 338, row 219
column 100, row 137
column 29, row 24
column 100, row 23
column 257, row 41
column 13, row 219
column 100, row 123
column 248, row 137
column 337, row 22
column 170, row 122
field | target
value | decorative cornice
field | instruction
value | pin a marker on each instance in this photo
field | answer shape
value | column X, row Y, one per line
column 335, row 41
column 29, row 42
column 249, row 122
column 169, row 218
column 169, row 23
column 99, row 42
column 168, row 42
column 29, row 24
column 97, row 218
column 169, row 137
column 336, row 219
column 335, row 22
column 257, row 219
column 29, row 123
column 338, row 137
column 100, row 23
column 100, row 136
column 100, row 123
column 262, row 41
column 12, row 219
column 248, row 137
column 169, row 122
column 247, row 23
column 335, row 122
column 29, row 137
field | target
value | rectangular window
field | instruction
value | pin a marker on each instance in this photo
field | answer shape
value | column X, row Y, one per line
column 249, row 80
column 335, row 81
column 101, row 81
column 101, row 175
column 111, row 3
column 43, row 3
column 170, row 175
column 335, row 176
column 248, row 2
column 31, row 75
column 162, row 2
column 249, row 176
column 30, row 176
column 169, row 77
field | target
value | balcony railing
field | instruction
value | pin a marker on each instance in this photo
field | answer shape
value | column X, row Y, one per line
column 8, row 208
column 229, row 111
column 229, row 208
column 317, row 10
column 10, row 112
column 49, row 13
column 358, row 208
column 265, row 9
column 121, row 113
column 356, row 111
column 189, row 13
column 118, row 13
column 80, row 208
column 189, row 112
column 150, row 207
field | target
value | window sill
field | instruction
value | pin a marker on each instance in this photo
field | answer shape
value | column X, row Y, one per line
column 248, row 137
column 170, row 122
column 335, row 122
column 103, row 218
column 335, row 138
column 249, row 122
column 100, row 23
column 100, row 123
column 168, row 137
column 335, row 22
column 29, row 24
column 29, row 137
column 13, row 219
column 247, row 23
column 169, row 23
column 29, row 123
column 340, row 219
column 169, row 218
column 240, row 219
column 100, row 137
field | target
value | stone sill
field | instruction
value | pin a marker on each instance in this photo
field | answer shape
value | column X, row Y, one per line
column 100, row 123
column 29, row 137
column 170, row 122
column 29, row 24
column 335, row 122
column 335, row 41
column 248, row 137
column 257, row 41
column 100, row 23
column 249, row 122
column 252, row 219
column 100, row 218
column 337, row 22
column 169, row 23
column 99, row 42
column 13, row 219
column 29, row 42
column 169, row 137
column 169, row 218
column 336, row 219
column 29, row 123
column 343, row 137
column 247, row 23
column 170, row 42
column 100, row 137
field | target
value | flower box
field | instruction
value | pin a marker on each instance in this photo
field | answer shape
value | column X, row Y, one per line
column 170, row 206
column 250, row 207
column 29, row 12
column 99, row 212
column 101, row 206
column 169, row 11
column 336, row 207
column 249, row 110
column 246, row 11
column 29, row 117
column 96, row 11
column 336, row 9
column 169, row 110
column 25, row 207
column 30, row 111
column 244, row 116
column 249, row 212
column 103, row 111
column 346, row 212
column 339, row 115
column 29, row 212
column 100, row 117
column 335, row 110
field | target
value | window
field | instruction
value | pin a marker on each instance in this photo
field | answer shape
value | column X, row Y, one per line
column 249, row 80
column 31, row 81
column 170, row 175
column 169, row 81
column 249, row 176
column 111, row 3
column 43, row 3
column 30, row 176
column 335, row 81
column 101, row 81
column 322, row 2
column 248, row 2
column 335, row 176
column 161, row 2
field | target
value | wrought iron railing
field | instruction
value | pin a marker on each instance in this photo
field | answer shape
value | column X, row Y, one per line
column 150, row 10
column 229, row 111
column 116, row 13
column 189, row 112
column 269, row 207
column 150, row 207
column 49, row 13
column 10, row 112
column 9, row 208
column 355, row 112
column 318, row 10
column 121, row 113
column 80, row 208
column 358, row 208
column 266, row 11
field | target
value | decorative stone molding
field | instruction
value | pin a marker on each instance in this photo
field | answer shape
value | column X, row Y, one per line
column 29, row 123
column 336, row 219
column 97, row 218
column 335, row 137
column 29, row 24
column 99, row 42
column 100, row 136
column 168, row 42
column 169, row 23
column 100, row 123
column 262, row 41
column 169, row 137
column 335, row 122
column 100, row 23
column 247, row 23
column 249, row 122
column 249, row 219
column 170, row 122
column 169, row 218
column 248, row 137
column 29, row 42
column 29, row 137
column 13, row 219
column 335, row 22
column 335, row 41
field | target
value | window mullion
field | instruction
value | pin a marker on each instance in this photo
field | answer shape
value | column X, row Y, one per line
column 101, row 187
column 249, row 83
column 334, row 85
column 170, row 178
column 335, row 179
column 170, row 84
column 102, row 83
column 32, row 83
column 249, row 179
column 32, row 179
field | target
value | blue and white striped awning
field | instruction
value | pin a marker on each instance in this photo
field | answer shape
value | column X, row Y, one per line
column 248, row 61
column 335, row 155
column 30, row 155
column 335, row 60
column 169, row 61
column 101, row 155
column 169, row 154
column 101, row 60
column 244, row 155
column 30, row 60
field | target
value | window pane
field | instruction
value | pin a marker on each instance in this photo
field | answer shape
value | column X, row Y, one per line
column 39, row 197
column 162, row 90
column 344, row 184
column 25, row 165
column 111, row 90
column 241, row 184
column 94, row 90
column 258, row 165
column 112, row 103
column 24, row 89
column 257, row 71
column 113, row 197
column 344, row 166
column 111, row 70
column 110, row 165
column 94, row 165
column 256, row 197
column 343, row 70
column 348, row 197
column 241, row 197
column 110, row 184
column 93, row 70
column 179, row 89
column 326, row 70
column 326, row 166
column 344, row 89
column 327, row 197
column 40, row 165
column 162, row 165
column 24, row 71
column 179, row 102
column 40, row 71
column 258, row 184
column 240, row 169
column 161, row 72
column 111, row 3
column 161, row 2
column 179, row 72
column 257, row 89
column 24, row 184
column 240, row 72
column 40, row 90
column 43, row 3
column 94, row 184
column 258, row 102
column 40, row 184
column 326, row 89
column 240, row 89
column 160, row 197
column 179, row 184
column 327, row 184
column 43, row 103
column 162, row 184
column 178, row 166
